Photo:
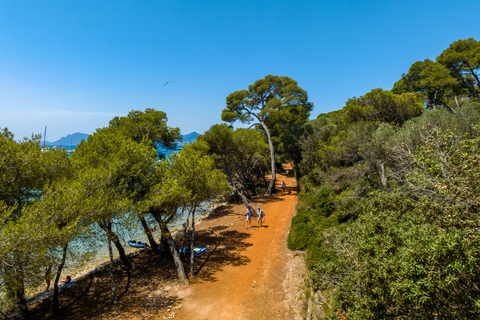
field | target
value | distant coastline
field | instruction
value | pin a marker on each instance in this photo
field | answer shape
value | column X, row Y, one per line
column 71, row 141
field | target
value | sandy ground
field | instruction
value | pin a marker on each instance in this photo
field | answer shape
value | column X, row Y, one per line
column 245, row 274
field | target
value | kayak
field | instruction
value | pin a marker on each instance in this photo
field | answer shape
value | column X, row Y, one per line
column 137, row 245
column 66, row 285
column 198, row 250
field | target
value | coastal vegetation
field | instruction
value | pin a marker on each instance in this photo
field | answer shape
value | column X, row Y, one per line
column 275, row 104
column 389, row 210
column 113, row 180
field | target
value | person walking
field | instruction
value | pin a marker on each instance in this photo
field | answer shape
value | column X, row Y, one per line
column 249, row 217
column 260, row 217
column 283, row 187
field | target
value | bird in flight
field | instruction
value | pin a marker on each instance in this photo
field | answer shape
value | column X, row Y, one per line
column 167, row 83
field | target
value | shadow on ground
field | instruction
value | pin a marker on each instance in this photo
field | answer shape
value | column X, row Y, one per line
column 141, row 290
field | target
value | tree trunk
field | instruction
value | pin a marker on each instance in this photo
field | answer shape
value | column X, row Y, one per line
column 55, row 305
column 472, row 72
column 244, row 199
column 448, row 107
column 173, row 250
column 469, row 85
column 110, row 253
column 192, row 243
column 164, row 252
column 271, row 186
column 107, row 227
column 252, row 185
column 148, row 233
column 185, row 232
column 263, row 176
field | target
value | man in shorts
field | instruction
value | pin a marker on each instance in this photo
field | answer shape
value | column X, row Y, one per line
column 260, row 217
column 249, row 217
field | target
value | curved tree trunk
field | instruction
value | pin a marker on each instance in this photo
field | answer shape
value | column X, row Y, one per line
column 107, row 227
column 271, row 186
column 148, row 232
column 164, row 252
column 55, row 305
column 244, row 199
column 173, row 250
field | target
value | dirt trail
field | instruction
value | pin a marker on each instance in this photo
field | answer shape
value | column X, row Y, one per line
column 244, row 274
column 264, row 279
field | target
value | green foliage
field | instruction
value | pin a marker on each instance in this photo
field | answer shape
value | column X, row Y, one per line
column 384, row 106
column 414, row 251
column 273, row 97
column 454, row 74
column 462, row 58
column 26, row 233
column 313, row 215
column 241, row 154
column 277, row 104
column 261, row 189
column 400, row 241
column 150, row 125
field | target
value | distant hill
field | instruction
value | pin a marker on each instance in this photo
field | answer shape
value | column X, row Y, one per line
column 189, row 138
column 70, row 141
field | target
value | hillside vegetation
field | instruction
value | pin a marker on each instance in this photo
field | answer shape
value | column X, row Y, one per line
column 389, row 212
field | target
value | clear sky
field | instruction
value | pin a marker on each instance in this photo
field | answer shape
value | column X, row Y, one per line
column 74, row 65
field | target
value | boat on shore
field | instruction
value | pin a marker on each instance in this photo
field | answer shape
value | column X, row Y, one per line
column 135, row 244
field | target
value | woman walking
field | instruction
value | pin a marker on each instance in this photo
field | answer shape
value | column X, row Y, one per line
column 249, row 217
column 261, row 217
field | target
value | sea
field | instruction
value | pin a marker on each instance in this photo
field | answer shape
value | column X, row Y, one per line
column 98, row 250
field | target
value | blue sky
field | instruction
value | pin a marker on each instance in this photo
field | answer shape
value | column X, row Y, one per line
column 74, row 65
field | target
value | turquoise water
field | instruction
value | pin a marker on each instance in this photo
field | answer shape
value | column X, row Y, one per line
column 135, row 231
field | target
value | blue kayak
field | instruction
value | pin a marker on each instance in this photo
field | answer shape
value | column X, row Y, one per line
column 66, row 285
column 137, row 245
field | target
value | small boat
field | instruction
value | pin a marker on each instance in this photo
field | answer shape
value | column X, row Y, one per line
column 66, row 285
column 198, row 250
column 135, row 244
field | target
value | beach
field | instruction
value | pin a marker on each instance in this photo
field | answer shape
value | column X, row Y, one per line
column 244, row 274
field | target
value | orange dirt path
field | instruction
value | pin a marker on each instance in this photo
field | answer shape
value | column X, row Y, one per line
column 260, row 282
column 244, row 274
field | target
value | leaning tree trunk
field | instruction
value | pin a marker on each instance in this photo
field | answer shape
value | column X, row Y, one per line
column 148, row 233
column 107, row 227
column 164, row 252
column 55, row 305
column 271, row 186
column 244, row 199
column 173, row 250
column 448, row 108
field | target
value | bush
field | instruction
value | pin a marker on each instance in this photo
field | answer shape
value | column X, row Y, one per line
column 261, row 189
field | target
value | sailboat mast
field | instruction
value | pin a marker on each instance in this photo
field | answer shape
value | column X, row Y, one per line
column 44, row 136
